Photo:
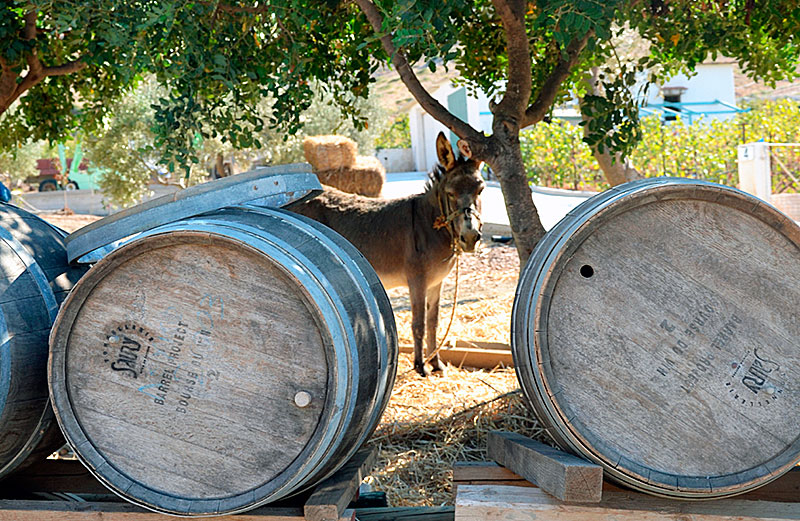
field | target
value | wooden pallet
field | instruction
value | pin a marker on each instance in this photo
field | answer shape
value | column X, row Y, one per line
column 69, row 479
column 492, row 491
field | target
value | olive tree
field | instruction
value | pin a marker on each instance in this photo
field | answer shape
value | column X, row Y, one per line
column 217, row 58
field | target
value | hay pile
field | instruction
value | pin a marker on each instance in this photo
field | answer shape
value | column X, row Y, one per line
column 430, row 423
column 365, row 177
column 329, row 152
column 336, row 164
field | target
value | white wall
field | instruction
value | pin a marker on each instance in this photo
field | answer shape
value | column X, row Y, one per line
column 713, row 81
column 424, row 128
column 396, row 159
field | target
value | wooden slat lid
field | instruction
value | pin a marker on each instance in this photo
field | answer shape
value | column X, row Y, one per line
column 663, row 338
column 270, row 186
column 197, row 371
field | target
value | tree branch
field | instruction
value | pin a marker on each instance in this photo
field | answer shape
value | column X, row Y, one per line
column 538, row 109
column 238, row 9
column 65, row 68
column 412, row 83
column 29, row 31
column 518, row 88
column 10, row 90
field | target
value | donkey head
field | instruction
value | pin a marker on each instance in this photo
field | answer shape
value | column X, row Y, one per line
column 459, row 189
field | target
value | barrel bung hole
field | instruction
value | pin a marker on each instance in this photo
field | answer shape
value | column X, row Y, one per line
column 587, row 271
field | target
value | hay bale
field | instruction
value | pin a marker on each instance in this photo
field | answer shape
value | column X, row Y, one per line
column 329, row 152
column 364, row 177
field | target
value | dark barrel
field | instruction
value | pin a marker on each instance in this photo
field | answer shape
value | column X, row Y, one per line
column 223, row 361
column 34, row 279
column 655, row 331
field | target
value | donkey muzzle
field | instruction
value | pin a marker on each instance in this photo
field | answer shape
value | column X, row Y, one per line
column 470, row 230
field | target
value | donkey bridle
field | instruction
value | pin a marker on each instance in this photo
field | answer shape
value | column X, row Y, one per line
column 447, row 216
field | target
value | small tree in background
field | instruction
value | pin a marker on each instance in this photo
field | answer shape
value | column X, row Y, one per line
column 396, row 135
column 19, row 163
column 705, row 150
column 123, row 146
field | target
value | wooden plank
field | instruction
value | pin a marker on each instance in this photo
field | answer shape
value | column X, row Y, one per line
column 13, row 510
column 464, row 356
column 331, row 497
column 485, row 473
column 479, row 503
column 784, row 489
column 563, row 475
column 406, row 514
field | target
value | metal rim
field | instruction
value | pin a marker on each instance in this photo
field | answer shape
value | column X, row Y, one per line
column 540, row 282
column 259, row 186
column 100, row 466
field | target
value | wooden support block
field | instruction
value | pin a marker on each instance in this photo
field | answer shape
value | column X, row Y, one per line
column 482, row 502
column 563, row 475
column 13, row 510
column 331, row 497
column 785, row 489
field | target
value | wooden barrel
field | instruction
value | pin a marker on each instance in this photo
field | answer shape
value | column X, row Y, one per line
column 34, row 279
column 223, row 361
column 656, row 332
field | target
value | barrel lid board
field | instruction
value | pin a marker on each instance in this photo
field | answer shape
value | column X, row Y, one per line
column 268, row 186
column 228, row 407
column 663, row 337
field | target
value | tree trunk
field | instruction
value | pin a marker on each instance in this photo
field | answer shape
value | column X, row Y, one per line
column 617, row 169
column 526, row 227
column 220, row 166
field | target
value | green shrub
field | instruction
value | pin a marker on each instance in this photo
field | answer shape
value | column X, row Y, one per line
column 555, row 154
column 396, row 135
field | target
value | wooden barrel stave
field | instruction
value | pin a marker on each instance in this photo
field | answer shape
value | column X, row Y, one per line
column 369, row 332
column 377, row 348
column 35, row 278
column 372, row 341
column 529, row 332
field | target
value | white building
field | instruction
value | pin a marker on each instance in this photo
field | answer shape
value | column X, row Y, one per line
column 424, row 129
column 709, row 93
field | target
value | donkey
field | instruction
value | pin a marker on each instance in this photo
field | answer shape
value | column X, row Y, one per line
column 412, row 241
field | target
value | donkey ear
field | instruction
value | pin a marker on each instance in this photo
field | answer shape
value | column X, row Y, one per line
column 445, row 152
column 464, row 148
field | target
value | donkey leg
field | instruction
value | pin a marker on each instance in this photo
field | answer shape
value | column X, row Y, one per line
column 416, row 291
column 432, row 323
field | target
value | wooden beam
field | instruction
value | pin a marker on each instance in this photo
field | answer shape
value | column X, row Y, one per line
column 482, row 502
column 464, row 354
column 785, row 489
column 15, row 510
column 486, row 473
column 331, row 497
column 74, row 511
column 563, row 475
